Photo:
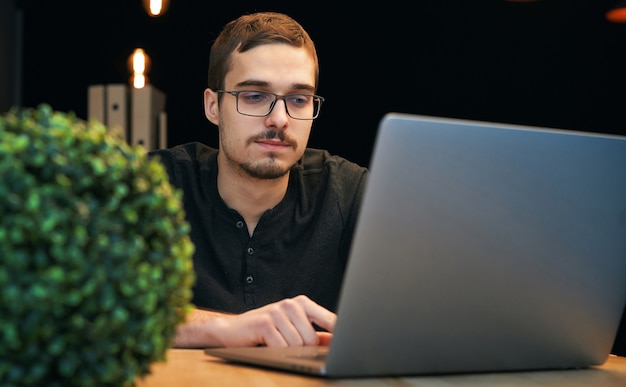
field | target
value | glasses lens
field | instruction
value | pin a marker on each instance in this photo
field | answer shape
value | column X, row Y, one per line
column 261, row 103
column 255, row 103
column 302, row 106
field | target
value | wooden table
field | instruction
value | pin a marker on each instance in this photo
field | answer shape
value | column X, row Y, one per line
column 191, row 367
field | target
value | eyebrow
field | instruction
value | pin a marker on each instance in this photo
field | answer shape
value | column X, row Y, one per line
column 264, row 84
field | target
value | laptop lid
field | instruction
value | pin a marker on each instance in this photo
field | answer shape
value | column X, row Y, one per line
column 480, row 247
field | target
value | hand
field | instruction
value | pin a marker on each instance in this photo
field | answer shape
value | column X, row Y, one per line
column 288, row 322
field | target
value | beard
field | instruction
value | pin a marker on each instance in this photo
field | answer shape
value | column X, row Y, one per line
column 268, row 167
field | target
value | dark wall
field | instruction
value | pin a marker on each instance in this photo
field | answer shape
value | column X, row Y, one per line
column 8, row 53
column 549, row 63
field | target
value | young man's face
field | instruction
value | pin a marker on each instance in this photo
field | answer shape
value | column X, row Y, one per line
column 263, row 147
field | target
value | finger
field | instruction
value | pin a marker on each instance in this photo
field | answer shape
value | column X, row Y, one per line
column 287, row 319
column 292, row 321
column 251, row 328
column 317, row 314
column 316, row 317
column 273, row 329
column 301, row 323
column 324, row 338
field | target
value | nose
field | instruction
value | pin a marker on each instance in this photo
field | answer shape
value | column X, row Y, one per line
column 276, row 101
column 278, row 116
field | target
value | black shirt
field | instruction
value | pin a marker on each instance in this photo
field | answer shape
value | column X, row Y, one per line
column 298, row 247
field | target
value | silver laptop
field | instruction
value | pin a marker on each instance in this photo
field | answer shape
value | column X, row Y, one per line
column 480, row 247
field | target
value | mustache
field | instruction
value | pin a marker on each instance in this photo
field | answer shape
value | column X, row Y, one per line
column 273, row 134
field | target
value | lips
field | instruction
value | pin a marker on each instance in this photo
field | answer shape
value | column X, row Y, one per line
column 272, row 144
column 273, row 139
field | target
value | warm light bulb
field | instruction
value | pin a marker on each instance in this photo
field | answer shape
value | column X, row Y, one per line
column 617, row 15
column 139, row 65
column 139, row 61
column 139, row 81
column 155, row 7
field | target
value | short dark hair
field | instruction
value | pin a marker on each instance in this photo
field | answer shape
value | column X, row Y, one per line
column 249, row 31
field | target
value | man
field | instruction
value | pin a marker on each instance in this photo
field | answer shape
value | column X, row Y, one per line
column 271, row 219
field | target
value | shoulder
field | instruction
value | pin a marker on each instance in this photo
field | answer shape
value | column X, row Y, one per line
column 317, row 161
column 331, row 182
column 186, row 160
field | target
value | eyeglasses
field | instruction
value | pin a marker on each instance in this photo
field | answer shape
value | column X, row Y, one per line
column 261, row 103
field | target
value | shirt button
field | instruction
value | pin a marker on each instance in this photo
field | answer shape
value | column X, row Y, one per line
column 250, row 251
column 239, row 224
column 249, row 279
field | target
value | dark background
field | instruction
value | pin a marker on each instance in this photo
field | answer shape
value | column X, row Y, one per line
column 553, row 63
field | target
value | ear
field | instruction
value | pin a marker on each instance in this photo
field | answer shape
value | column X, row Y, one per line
column 211, row 107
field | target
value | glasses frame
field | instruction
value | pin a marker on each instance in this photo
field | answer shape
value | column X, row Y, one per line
column 273, row 104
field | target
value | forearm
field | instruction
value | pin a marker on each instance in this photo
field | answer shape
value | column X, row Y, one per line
column 199, row 330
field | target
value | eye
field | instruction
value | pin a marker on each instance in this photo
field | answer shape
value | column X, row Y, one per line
column 255, row 97
column 298, row 99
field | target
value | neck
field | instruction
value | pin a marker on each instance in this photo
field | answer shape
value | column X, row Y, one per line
column 250, row 196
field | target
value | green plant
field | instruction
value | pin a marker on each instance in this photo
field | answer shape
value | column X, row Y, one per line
column 95, row 255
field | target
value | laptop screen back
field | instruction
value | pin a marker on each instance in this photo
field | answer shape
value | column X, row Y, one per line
column 484, row 247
